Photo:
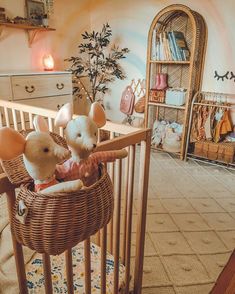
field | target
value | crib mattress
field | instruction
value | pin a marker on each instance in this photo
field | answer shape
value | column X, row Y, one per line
column 35, row 278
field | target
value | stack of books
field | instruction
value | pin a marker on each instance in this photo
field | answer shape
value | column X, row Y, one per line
column 2, row 14
column 170, row 46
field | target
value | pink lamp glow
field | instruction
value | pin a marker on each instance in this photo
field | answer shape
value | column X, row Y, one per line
column 48, row 62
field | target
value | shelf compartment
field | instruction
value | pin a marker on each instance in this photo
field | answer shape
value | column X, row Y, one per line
column 170, row 61
column 182, row 107
column 162, row 150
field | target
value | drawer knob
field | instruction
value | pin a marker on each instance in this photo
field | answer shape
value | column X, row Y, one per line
column 60, row 86
column 59, row 106
column 30, row 90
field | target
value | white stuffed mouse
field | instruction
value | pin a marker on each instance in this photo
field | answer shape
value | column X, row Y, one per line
column 40, row 156
column 81, row 135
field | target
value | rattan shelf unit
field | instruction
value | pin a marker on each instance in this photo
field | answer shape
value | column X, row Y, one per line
column 181, row 73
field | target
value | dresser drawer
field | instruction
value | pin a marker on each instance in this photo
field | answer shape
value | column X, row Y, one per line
column 5, row 88
column 52, row 103
column 25, row 87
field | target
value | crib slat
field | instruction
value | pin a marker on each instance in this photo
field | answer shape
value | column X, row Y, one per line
column 31, row 120
column 110, row 225
column 103, row 259
column 69, row 270
column 129, row 216
column 142, row 208
column 17, row 248
column 97, row 238
column 22, row 120
column 14, row 119
column 61, row 132
column 87, row 253
column 117, row 208
column 50, row 124
column 126, row 176
column 1, row 121
column 47, row 273
column 6, row 116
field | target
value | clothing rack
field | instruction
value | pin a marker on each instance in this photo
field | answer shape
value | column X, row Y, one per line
column 209, row 99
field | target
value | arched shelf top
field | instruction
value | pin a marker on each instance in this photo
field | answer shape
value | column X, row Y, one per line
column 172, row 11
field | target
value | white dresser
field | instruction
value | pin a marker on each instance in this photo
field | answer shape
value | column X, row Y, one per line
column 48, row 90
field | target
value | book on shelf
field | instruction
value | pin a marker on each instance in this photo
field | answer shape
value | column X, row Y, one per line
column 180, row 42
column 154, row 45
column 169, row 46
column 172, row 47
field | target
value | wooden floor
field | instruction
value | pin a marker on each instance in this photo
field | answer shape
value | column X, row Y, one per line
column 226, row 281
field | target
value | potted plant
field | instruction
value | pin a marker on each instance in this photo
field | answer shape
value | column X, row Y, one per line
column 97, row 64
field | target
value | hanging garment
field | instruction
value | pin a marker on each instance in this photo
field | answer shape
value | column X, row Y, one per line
column 208, row 126
column 223, row 127
column 194, row 132
column 202, row 117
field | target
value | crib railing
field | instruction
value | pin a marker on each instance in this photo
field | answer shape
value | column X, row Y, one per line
column 130, row 179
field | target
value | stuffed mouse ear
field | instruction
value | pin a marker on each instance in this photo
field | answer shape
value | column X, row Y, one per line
column 12, row 143
column 64, row 115
column 40, row 124
column 97, row 114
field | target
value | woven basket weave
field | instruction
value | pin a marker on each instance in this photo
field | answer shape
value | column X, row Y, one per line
column 59, row 221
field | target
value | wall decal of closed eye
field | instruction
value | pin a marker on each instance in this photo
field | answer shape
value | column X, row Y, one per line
column 232, row 76
column 218, row 77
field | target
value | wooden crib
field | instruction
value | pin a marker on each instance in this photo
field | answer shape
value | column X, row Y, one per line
column 114, row 241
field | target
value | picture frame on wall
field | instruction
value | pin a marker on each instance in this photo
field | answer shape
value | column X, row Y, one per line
column 35, row 11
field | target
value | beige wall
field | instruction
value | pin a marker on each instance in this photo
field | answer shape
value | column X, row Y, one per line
column 130, row 21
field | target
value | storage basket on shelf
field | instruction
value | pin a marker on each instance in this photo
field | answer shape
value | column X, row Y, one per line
column 157, row 96
column 58, row 221
column 222, row 151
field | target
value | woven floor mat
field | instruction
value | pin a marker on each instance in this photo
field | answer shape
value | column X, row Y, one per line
column 190, row 225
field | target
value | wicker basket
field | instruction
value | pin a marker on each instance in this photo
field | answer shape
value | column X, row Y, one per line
column 157, row 96
column 222, row 151
column 59, row 221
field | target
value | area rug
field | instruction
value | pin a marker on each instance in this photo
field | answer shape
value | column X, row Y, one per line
column 190, row 225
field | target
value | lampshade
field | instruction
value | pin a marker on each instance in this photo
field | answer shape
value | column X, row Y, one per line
column 48, row 62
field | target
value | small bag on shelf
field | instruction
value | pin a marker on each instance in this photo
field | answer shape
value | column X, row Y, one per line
column 157, row 96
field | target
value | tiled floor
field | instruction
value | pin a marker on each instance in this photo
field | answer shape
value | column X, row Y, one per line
column 190, row 225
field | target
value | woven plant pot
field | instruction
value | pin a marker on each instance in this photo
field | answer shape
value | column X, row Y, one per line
column 57, row 222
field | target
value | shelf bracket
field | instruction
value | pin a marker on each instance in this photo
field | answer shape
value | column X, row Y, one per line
column 31, row 36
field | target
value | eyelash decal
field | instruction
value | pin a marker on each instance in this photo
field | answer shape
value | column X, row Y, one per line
column 218, row 77
column 232, row 76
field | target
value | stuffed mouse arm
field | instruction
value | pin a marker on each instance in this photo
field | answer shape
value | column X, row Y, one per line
column 87, row 170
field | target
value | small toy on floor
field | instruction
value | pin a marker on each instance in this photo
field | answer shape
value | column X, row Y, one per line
column 81, row 135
